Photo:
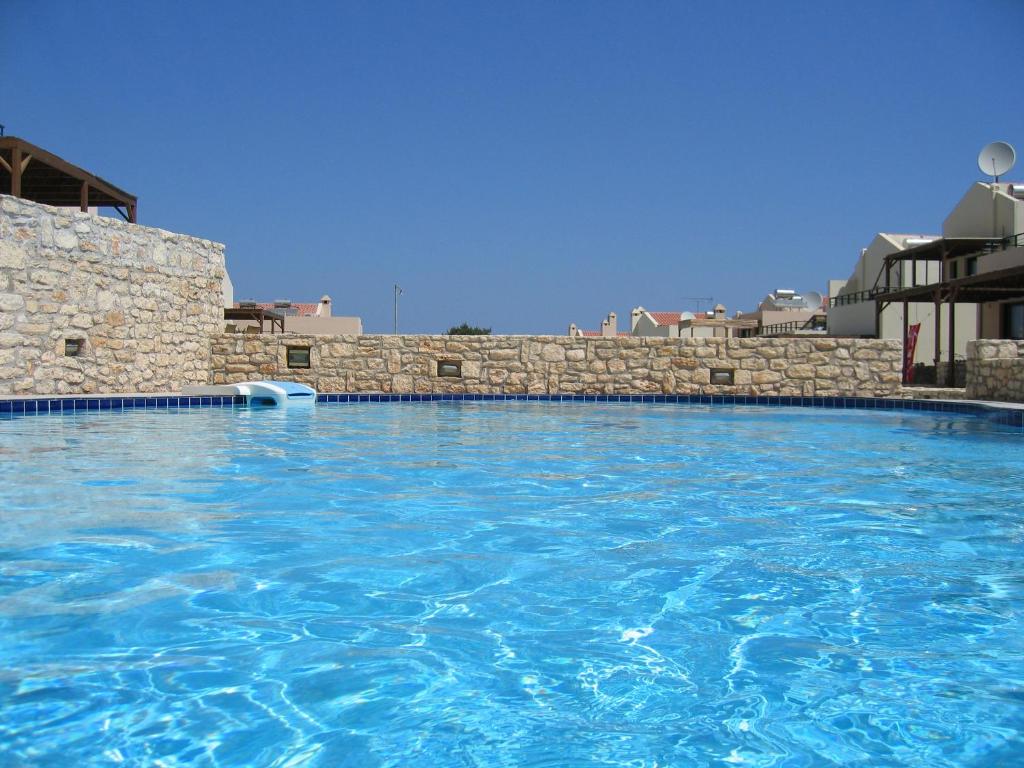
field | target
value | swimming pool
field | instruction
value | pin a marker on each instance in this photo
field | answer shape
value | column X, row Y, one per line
column 520, row 584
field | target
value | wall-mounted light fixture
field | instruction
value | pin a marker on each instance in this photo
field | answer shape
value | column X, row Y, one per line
column 451, row 369
column 722, row 376
column 297, row 357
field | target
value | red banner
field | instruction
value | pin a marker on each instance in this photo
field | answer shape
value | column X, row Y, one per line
column 909, row 347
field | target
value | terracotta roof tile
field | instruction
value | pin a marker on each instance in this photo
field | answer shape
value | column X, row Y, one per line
column 665, row 318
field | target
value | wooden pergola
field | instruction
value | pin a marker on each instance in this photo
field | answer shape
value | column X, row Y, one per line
column 997, row 285
column 32, row 173
column 276, row 319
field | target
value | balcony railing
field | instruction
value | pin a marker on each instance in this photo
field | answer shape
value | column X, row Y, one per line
column 816, row 324
column 857, row 297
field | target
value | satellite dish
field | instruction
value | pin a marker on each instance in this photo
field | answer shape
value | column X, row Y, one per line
column 813, row 299
column 996, row 159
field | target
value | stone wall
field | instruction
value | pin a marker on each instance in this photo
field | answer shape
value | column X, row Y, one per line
column 564, row 364
column 144, row 302
column 995, row 370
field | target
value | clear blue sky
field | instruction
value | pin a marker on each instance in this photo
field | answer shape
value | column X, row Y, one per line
column 522, row 165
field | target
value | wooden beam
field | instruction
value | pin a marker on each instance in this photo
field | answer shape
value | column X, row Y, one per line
column 4, row 164
column 907, row 364
column 85, row 197
column 16, row 171
column 63, row 166
column 25, row 162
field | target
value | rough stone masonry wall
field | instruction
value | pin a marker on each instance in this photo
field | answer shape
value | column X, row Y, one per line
column 995, row 370
column 146, row 303
column 564, row 364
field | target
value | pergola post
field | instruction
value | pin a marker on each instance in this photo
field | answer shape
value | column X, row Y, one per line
column 937, row 357
column 907, row 364
column 16, row 170
column 84, row 201
column 950, row 377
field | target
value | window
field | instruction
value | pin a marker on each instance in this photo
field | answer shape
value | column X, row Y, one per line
column 953, row 264
column 298, row 357
column 1013, row 321
column 451, row 369
column 971, row 265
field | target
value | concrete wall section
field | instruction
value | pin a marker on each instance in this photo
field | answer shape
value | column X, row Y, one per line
column 564, row 364
column 995, row 370
column 143, row 303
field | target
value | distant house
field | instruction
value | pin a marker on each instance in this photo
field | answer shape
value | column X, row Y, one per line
column 687, row 325
column 784, row 312
column 313, row 317
column 609, row 328
column 643, row 322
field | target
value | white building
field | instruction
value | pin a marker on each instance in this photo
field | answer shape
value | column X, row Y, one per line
column 609, row 327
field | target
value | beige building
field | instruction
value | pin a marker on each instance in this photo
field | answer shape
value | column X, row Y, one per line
column 785, row 312
column 312, row 317
column 992, row 213
column 964, row 284
column 905, row 280
column 854, row 311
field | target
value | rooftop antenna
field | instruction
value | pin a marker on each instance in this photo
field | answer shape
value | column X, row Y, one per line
column 996, row 159
column 698, row 299
column 398, row 292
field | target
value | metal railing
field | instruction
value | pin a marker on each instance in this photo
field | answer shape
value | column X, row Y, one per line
column 816, row 324
column 857, row 297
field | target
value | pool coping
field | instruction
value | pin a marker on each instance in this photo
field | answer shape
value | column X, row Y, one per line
column 1009, row 414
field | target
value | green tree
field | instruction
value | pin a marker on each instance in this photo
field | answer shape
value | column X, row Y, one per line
column 468, row 330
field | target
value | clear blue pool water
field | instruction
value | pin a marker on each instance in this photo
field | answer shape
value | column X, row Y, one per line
column 511, row 584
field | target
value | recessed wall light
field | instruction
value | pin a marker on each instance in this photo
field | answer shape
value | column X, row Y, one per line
column 297, row 357
column 722, row 376
column 451, row 369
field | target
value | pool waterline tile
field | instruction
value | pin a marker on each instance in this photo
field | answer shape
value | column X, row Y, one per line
column 1003, row 414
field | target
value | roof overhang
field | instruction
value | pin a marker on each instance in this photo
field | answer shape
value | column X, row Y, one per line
column 32, row 173
column 998, row 285
column 946, row 248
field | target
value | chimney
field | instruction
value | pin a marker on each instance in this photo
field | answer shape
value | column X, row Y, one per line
column 572, row 329
column 719, row 312
column 634, row 318
column 613, row 324
column 325, row 306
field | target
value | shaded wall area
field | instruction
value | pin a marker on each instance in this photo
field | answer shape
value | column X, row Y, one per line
column 95, row 304
column 565, row 364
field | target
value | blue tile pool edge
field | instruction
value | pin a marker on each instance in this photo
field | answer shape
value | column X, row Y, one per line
column 77, row 404
column 1013, row 417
